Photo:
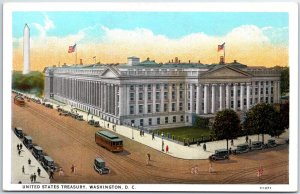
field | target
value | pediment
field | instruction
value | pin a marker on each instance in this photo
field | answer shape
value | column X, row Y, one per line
column 226, row 72
column 110, row 73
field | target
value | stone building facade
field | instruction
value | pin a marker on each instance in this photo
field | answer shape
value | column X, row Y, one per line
column 155, row 95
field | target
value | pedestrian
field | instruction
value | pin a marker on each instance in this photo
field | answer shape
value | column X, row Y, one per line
column 196, row 169
column 250, row 142
column 23, row 169
column 147, row 161
column 204, row 147
column 210, row 168
column 167, row 148
column 60, row 172
column 198, row 143
column 247, row 139
column 29, row 161
column 73, row 168
column 51, row 174
column 192, row 170
column 39, row 171
column 31, row 178
column 231, row 142
column 152, row 135
column 163, row 144
column 18, row 147
column 230, row 150
column 149, row 156
column 21, row 146
column 19, row 152
column 141, row 133
column 34, row 177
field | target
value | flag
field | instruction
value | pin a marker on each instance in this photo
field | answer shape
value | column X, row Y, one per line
column 221, row 47
column 72, row 49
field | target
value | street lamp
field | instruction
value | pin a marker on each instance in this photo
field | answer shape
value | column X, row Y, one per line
column 132, row 125
column 162, row 141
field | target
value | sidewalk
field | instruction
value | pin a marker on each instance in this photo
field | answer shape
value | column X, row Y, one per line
column 18, row 161
column 175, row 150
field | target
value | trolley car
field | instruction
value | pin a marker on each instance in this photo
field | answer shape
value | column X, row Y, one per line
column 19, row 100
column 109, row 141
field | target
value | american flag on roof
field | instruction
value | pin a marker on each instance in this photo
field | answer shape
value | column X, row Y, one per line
column 221, row 47
column 72, row 48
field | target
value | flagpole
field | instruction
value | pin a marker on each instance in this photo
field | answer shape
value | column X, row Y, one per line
column 224, row 54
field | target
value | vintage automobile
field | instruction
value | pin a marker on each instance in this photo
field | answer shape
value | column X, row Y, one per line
column 37, row 152
column 80, row 118
column 257, row 145
column 271, row 143
column 28, row 142
column 19, row 132
column 64, row 113
column 49, row 105
column 241, row 148
column 91, row 122
column 96, row 124
column 99, row 166
column 48, row 163
column 220, row 154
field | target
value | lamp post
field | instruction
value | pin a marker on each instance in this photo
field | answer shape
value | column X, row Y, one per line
column 162, row 141
column 132, row 125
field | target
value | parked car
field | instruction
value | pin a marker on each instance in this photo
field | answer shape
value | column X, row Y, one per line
column 99, row 166
column 257, row 145
column 241, row 148
column 80, row 118
column 48, row 163
column 271, row 143
column 37, row 152
column 19, row 132
column 28, row 141
column 96, row 124
column 91, row 122
column 220, row 154
column 64, row 113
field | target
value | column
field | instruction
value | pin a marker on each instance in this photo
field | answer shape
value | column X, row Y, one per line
column 153, row 97
column 228, row 96
column 213, row 98
column 235, row 97
column 248, row 95
column 136, row 99
column 191, row 97
column 145, row 99
column 205, row 98
column 127, row 102
column 242, row 89
column 105, row 98
column 221, row 96
column 177, row 97
column 101, row 96
column 170, row 97
column 259, row 91
column 264, row 95
column 198, row 99
column 121, row 97
column 116, row 99
column 162, row 100
column 275, row 92
column 278, row 91
column 269, row 93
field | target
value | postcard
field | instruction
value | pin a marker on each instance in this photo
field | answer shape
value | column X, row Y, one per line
column 150, row 96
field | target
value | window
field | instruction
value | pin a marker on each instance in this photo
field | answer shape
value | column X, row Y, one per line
column 181, row 86
column 150, row 121
column 149, row 96
column 195, row 95
column 189, row 106
column 131, row 109
column 261, row 90
column 165, row 107
column 187, row 118
column 267, row 90
column 165, row 86
column 141, row 109
column 141, row 122
column 250, row 101
column 231, row 93
column 131, row 96
column 131, row 87
column 157, row 86
column 149, row 87
column 149, row 108
column 231, row 104
column 271, row 99
column 239, row 103
column 157, row 95
column 267, row 83
column 256, row 83
column 157, row 107
column 174, row 119
column 181, row 118
column 140, row 96
column 132, row 122
column 173, row 106
column 158, row 121
column 261, row 99
column 256, row 91
column 173, row 95
column 245, row 101
column 166, row 120
column 239, row 92
column 180, row 106
column 165, row 95
column 173, row 86
column 251, row 91
column 267, row 99
column 180, row 94
column 256, row 100
column 140, row 87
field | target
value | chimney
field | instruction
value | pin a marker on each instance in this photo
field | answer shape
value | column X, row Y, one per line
column 199, row 61
column 169, row 61
column 148, row 58
column 172, row 60
column 81, row 62
column 235, row 61
column 176, row 59
column 189, row 61
column 221, row 60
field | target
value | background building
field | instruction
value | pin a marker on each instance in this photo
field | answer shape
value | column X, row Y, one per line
column 161, row 95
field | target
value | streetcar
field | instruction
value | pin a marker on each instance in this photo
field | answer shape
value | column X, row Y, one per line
column 109, row 141
column 19, row 100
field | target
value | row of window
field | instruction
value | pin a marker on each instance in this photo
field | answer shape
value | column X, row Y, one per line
column 157, row 108
column 158, row 86
column 158, row 120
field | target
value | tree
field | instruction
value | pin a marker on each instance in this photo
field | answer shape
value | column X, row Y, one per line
column 226, row 125
column 263, row 119
column 284, row 81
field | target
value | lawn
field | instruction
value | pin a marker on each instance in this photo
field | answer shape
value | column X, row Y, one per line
column 186, row 133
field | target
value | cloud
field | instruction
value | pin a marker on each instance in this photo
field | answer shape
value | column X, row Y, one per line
column 248, row 44
column 48, row 24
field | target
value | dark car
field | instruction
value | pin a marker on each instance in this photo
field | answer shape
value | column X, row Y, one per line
column 19, row 132
column 80, row 118
column 271, row 143
column 91, row 122
column 28, row 142
column 37, row 152
column 48, row 163
column 99, row 166
column 221, row 154
column 241, row 148
column 64, row 113
column 257, row 145
column 96, row 124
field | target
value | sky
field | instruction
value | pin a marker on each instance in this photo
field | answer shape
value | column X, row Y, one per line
column 254, row 39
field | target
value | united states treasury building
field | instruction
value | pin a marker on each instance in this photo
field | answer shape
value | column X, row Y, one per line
column 161, row 95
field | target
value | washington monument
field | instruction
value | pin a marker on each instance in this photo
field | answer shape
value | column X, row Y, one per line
column 26, row 50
